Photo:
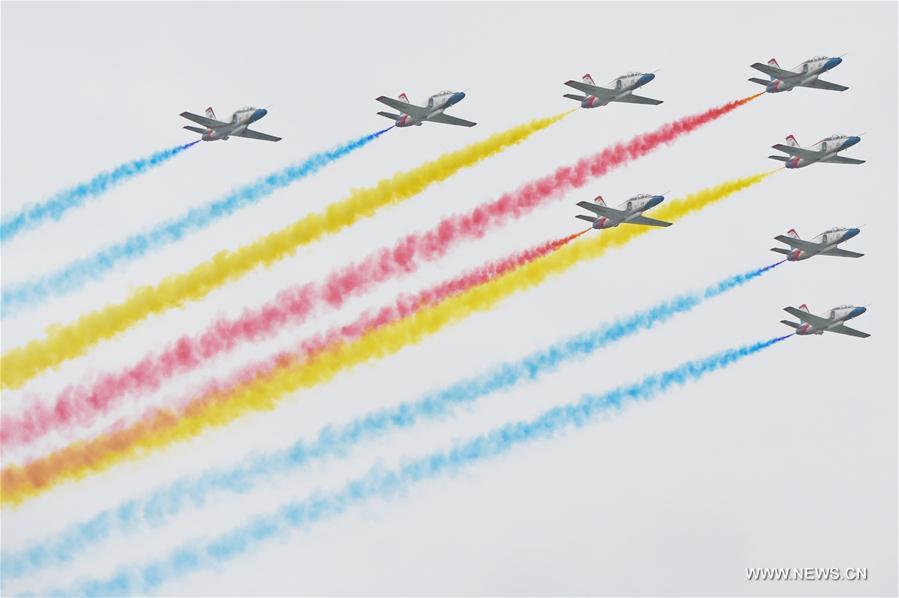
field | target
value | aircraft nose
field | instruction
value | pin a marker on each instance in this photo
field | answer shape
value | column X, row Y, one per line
column 851, row 233
column 655, row 200
column 646, row 78
column 458, row 97
column 832, row 62
column 857, row 312
column 852, row 140
column 259, row 113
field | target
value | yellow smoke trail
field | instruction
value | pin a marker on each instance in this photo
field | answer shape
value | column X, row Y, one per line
column 264, row 393
column 66, row 342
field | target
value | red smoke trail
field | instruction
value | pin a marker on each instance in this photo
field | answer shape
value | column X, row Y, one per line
column 81, row 405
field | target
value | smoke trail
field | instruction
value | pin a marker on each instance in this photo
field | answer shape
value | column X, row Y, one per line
column 80, row 458
column 263, row 393
column 165, row 503
column 378, row 483
column 65, row 342
column 74, row 197
column 75, row 275
column 81, row 406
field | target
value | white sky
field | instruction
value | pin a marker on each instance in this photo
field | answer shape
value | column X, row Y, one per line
column 787, row 459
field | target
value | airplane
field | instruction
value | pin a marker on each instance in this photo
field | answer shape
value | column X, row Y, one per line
column 832, row 322
column 410, row 114
column 803, row 75
column 629, row 212
column 619, row 90
column 823, row 151
column 237, row 127
column 824, row 244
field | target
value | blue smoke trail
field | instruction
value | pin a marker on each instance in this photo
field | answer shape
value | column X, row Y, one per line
column 74, row 197
column 168, row 501
column 378, row 483
column 78, row 273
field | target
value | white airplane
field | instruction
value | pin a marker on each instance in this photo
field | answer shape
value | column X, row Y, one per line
column 630, row 212
column 824, row 244
column 237, row 127
column 619, row 90
column 832, row 322
column 432, row 112
column 803, row 75
column 823, row 151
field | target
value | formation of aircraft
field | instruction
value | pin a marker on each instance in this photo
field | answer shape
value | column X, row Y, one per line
column 237, row 127
column 824, row 244
column 803, row 75
column 629, row 212
column 825, row 151
column 833, row 321
column 620, row 90
column 433, row 111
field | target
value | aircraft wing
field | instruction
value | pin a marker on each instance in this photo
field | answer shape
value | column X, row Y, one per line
column 812, row 319
column 202, row 120
column 797, row 151
column 592, row 90
column 775, row 72
column 819, row 84
column 256, row 135
column 446, row 119
column 632, row 99
column 648, row 221
column 602, row 210
column 841, row 329
column 842, row 160
column 798, row 243
column 410, row 109
column 841, row 253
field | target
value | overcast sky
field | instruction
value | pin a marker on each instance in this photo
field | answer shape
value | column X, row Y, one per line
column 787, row 459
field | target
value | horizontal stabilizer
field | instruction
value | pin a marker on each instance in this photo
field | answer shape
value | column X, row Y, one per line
column 841, row 329
column 790, row 324
column 819, row 84
column 589, row 219
column 195, row 129
column 759, row 81
column 404, row 107
column 837, row 252
column 780, row 158
column 632, row 99
column 572, row 96
column 842, row 160
column 648, row 221
column 389, row 115
column 780, row 250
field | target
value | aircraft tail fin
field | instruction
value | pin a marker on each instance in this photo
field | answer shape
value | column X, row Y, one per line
column 792, row 233
column 588, row 79
column 599, row 201
column 791, row 140
column 773, row 62
column 804, row 308
column 210, row 113
column 404, row 98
